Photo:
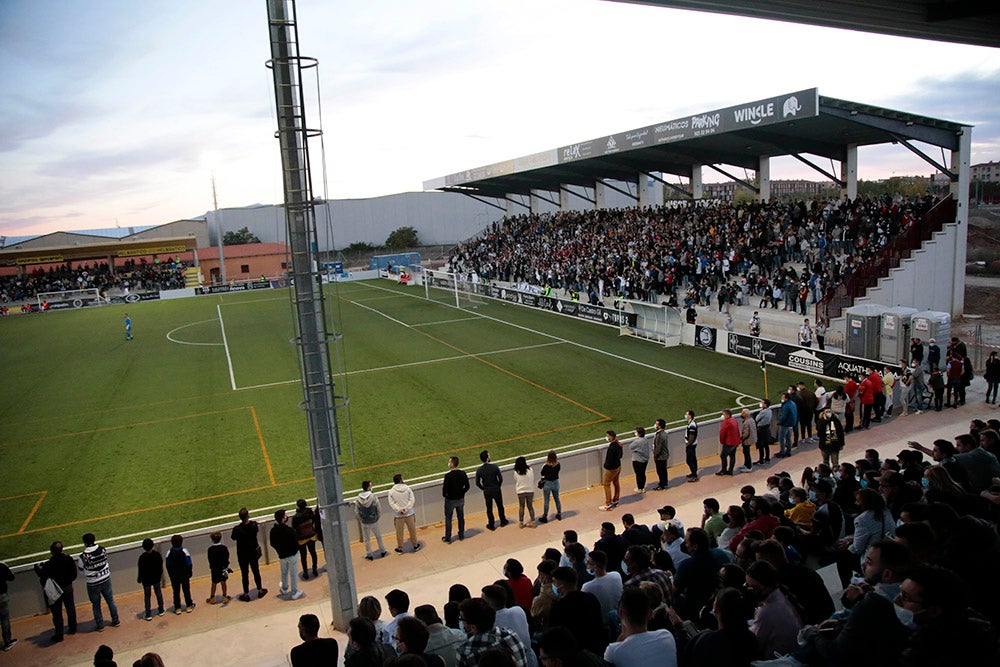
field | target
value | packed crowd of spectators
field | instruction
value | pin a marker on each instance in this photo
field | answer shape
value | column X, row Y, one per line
column 696, row 251
column 130, row 276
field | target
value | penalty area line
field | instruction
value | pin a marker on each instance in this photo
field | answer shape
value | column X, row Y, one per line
column 225, row 345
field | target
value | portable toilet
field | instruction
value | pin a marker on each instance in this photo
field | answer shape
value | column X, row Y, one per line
column 894, row 342
column 864, row 330
column 928, row 324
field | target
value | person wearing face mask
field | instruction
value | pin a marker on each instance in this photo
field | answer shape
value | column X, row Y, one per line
column 873, row 524
column 512, row 618
column 541, row 605
column 763, row 419
column 578, row 612
column 831, row 436
column 932, row 601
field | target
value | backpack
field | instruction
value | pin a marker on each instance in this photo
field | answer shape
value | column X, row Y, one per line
column 368, row 513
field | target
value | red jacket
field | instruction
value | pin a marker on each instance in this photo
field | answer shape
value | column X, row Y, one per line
column 765, row 524
column 851, row 388
column 866, row 392
column 876, row 380
column 729, row 432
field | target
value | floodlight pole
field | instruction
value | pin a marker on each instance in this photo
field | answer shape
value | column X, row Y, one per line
column 320, row 404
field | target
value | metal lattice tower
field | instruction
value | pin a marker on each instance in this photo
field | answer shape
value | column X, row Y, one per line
column 320, row 404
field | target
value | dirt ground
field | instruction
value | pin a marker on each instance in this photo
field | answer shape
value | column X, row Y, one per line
column 982, row 292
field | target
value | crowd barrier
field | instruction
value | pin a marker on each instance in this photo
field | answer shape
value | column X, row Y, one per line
column 581, row 469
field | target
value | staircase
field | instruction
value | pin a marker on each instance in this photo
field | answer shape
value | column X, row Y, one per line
column 873, row 280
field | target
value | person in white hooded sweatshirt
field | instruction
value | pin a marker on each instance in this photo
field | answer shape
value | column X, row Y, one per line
column 368, row 510
column 401, row 501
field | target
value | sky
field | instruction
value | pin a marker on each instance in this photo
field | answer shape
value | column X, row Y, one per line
column 116, row 113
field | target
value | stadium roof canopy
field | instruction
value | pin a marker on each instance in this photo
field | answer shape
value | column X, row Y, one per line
column 962, row 21
column 796, row 124
column 99, row 249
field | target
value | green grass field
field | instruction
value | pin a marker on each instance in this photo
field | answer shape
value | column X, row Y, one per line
column 186, row 423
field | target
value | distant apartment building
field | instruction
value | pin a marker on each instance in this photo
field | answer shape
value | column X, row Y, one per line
column 985, row 171
column 779, row 188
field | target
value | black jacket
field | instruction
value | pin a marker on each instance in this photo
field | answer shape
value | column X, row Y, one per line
column 284, row 541
column 150, row 568
column 456, row 484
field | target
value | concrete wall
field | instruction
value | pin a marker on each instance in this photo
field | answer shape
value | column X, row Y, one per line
column 924, row 280
column 581, row 469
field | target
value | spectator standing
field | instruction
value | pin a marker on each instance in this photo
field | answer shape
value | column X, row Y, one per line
column 179, row 570
column 150, row 575
column 788, row 419
column 284, row 542
column 402, row 502
column 248, row 553
column 218, row 567
column 304, row 525
column 640, row 448
column 933, row 354
column 524, row 486
column 6, row 576
column 366, row 505
column 805, row 334
column 992, row 377
column 97, row 572
column 550, row 486
column 691, row 446
column 313, row 651
column 748, row 438
column 61, row 570
column 453, row 489
column 612, row 472
column 763, row 420
column 661, row 454
column 489, row 481
column 831, row 436
column 729, row 440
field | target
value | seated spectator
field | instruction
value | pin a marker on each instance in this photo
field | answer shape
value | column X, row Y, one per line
column 761, row 519
column 776, row 621
column 559, row 648
column 519, row 583
column 804, row 583
column 605, row 586
column 541, row 605
column 732, row 644
column 638, row 568
column 734, row 519
column 875, row 523
column 411, row 640
column 697, row 577
column 313, row 651
column 482, row 635
column 441, row 641
column 802, row 509
column 636, row 643
column 612, row 545
column 363, row 649
column 636, row 533
column 577, row 611
column 513, row 617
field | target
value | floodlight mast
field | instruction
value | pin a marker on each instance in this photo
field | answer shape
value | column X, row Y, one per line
column 320, row 404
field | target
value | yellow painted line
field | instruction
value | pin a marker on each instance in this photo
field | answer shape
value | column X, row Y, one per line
column 263, row 447
column 31, row 515
column 23, row 495
column 178, row 503
column 479, row 445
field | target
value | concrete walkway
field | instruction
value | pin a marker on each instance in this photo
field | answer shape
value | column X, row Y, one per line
column 262, row 632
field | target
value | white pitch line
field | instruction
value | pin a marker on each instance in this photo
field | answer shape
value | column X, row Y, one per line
column 415, row 363
column 585, row 347
column 225, row 344
column 379, row 312
column 185, row 342
column 461, row 319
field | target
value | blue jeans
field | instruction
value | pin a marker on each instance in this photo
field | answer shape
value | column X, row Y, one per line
column 551, row 488
column 95, row 593
column 785, row 439
column 290, row 570
column 454, row 506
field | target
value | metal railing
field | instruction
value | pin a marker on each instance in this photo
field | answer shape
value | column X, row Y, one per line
column 889, row 257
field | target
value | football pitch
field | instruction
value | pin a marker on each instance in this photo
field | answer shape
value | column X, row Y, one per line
column 199, row 414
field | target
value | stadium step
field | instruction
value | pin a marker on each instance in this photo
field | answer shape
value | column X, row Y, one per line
column 192, row 276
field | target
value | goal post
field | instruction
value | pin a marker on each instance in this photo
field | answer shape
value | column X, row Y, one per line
column 452, row 288
column 72, row 298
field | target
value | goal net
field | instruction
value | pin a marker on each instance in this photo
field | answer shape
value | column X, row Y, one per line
column 455, row 289
column 73, row 298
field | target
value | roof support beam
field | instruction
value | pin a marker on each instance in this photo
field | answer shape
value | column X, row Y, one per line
column 565, row 188
column 744, row 183
column 519, row 203
column 926, row 158
column 617, row 189
column 675, row 188
column 483, row 200
column 538, row 193
column 833, row 178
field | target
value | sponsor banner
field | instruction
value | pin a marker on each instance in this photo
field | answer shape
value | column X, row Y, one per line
column 584, row 311
column 704, row 337
column 241, row 287
column 40, row 259
column 135, row 297
column 805, row 359
column 157, row 250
